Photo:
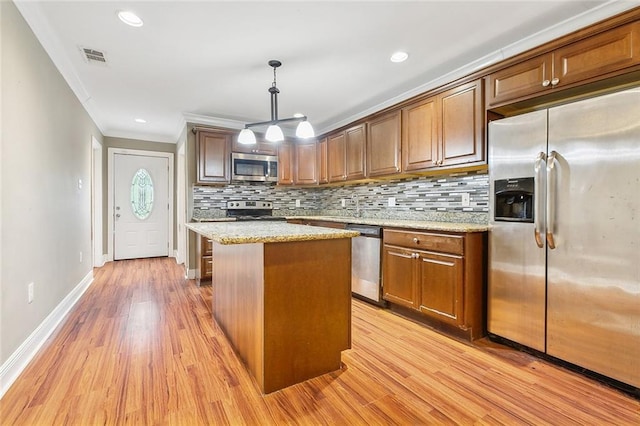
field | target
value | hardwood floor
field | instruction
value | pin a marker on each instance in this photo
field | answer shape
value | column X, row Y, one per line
column 141, row 347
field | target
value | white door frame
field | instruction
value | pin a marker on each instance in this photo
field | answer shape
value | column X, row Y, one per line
column 110, row 191
column 96, row 203
column 181, row 213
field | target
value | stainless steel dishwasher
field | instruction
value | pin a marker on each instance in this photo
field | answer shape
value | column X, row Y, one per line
column 365, row 263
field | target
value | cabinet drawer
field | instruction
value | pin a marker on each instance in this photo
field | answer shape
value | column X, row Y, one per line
column 206, row 266
column 207, row 246
column 425, row 241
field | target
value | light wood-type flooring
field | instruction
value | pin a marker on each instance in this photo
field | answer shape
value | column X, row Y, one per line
column 141, row 348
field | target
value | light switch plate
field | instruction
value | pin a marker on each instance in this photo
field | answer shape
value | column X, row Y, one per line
column 392, row 201
column 297, row 203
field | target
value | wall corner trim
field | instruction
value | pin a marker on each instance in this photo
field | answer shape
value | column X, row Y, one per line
column 18, row 361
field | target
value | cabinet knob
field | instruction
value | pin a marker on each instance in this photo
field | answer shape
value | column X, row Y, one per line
column 415, row 255
column 555, row 81
column 545, row 83
column 416, row 240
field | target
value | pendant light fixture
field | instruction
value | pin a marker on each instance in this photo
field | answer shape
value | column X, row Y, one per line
column 274, row 132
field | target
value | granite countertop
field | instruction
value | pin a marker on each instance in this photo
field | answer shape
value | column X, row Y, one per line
column 402, row 223
column 227, row 232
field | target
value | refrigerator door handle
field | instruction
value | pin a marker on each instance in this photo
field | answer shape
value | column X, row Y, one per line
column 537, row 213
column 551, row 198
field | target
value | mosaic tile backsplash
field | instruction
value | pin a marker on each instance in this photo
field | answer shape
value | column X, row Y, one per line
column 437, row 198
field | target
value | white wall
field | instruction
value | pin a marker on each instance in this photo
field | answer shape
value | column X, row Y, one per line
column 46, row 216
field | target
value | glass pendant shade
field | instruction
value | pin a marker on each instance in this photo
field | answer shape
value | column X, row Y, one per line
column 305, row 130
column 247, row 137
column 274, row 133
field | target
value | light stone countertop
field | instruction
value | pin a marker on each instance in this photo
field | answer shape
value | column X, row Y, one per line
column 402, row 223
column 265, row 232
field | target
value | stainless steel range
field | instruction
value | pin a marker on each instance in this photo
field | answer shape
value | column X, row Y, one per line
column 244, row 210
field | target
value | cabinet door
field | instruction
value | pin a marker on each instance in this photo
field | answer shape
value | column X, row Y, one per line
column 441, row 286
column 323, row 169
column 285, row 164
column 520, row 80
column 305, row 164
column 337, row 157
column 355, row 142
column 214, row 156
column 383, row 145
column 399, row 276
column 462, row 125
column 420, row 135
column 598, row 55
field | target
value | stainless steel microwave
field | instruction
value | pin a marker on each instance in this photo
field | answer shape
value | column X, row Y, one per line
column 254, row 167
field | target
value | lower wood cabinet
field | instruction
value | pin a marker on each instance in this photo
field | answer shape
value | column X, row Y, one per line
column 205, row 259
column 438, row 276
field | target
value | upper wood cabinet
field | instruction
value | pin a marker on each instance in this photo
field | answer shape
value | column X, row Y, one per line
column 600, row 56
column 336, row 149
column 306, row 163
column 214, row 156
column 420, row 135
column 462, row 125
column 355, row 143
column 285, row 163
column 444, row 130
column 261, row 147
column 383, row 145
column 323, row 163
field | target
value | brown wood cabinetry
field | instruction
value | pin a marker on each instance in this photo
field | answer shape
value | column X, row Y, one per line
column 599, row 56
column 214, row 156
column 462, row 125
column 337, row 157
column 438, row 275
column 346, row 154
column 306, row 163
column 285, row 163
column 383, row 145
column 261, row 147
column 420, row 135
column 323, row 163
column 355, row 143
column 444, row 130
column 204, row 250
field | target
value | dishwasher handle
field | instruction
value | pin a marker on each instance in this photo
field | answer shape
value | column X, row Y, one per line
column 365, row 230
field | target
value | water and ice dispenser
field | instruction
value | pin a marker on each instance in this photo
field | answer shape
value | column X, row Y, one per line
column 514, row 200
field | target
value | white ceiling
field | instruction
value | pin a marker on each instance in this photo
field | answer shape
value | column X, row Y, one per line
column 206, row 62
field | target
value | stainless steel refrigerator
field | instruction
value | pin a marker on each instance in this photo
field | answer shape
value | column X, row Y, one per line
column 564, row 239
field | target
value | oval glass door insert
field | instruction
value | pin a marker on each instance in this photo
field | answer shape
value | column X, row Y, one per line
column 142, row 194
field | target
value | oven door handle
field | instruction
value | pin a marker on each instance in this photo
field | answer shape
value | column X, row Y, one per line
column 540, row 164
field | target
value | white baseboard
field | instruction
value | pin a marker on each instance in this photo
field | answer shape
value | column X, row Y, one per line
column 191, row 274
column 18, row 361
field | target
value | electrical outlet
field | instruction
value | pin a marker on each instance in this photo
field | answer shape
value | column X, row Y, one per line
column 80, row 257
column 30, row 292
column 297, row 203
column 343, row 202
column 465, row 199
column 391, row 202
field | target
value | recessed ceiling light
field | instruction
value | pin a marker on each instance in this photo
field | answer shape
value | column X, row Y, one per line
column 140, row 120
column 130, row 18
column 399, row 57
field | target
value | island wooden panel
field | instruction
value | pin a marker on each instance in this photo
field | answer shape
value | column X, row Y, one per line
column 285, row 307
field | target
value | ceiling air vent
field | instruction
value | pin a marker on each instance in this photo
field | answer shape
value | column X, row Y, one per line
column 93, row 56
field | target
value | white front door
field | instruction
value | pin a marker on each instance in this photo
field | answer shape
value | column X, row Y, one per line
column 141, row 206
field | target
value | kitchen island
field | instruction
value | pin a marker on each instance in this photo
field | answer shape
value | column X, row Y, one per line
column 282, row 296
